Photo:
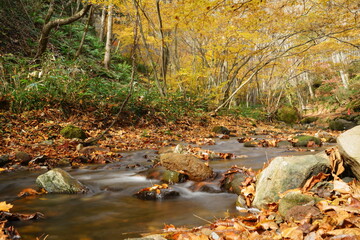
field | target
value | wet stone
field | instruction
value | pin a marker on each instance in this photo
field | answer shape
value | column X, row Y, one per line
column 23, row 157
column 159, row 194
column 4, row 159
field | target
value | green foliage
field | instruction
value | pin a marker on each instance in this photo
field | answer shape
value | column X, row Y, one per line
column 148, row 102
column 254, row 111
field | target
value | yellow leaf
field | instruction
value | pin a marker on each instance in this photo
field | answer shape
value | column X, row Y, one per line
column 345, row 231
column 5, row 206
column 292, row 233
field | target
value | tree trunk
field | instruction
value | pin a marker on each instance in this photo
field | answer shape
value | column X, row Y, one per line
column 108, row 38
column 102, row 24
column 84, row 35
column 45, row 32
column 157, row 81
column 164, row 48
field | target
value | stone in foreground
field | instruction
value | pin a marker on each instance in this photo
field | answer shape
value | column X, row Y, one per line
column 195, row 168
column 59, row 181
column 349, row 147
column 284, row 173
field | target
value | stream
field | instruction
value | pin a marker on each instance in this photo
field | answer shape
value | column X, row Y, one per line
column 110, row 211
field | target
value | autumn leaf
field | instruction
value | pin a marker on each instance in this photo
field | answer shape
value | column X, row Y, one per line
column 311, row 182
column 292, row 233
column 5, row 206
column 31, row 192
column 336, row 161
column 341, row 187
column 345, row 232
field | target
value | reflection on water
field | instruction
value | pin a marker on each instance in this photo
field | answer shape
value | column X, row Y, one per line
column 110, row 211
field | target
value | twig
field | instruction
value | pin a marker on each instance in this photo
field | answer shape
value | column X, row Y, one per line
column 202, row 218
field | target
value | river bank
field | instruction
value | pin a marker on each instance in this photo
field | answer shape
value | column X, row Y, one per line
column 113, row 184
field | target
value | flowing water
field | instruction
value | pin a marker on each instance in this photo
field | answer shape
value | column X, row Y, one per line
column 111, row 212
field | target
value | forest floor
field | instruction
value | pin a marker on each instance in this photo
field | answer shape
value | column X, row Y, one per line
column 37, row 133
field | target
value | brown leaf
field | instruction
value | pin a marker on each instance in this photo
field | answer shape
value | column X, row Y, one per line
column 311, row 182
column 345, row 232
column 292, row 233
column 336, row 161
column 30, row 192
column 341, row 187
column 20, row 217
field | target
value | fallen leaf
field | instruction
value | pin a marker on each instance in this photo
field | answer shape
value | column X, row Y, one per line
column 341, row 187
column 345, row 232
column 29, row 192
column 5, row 206
column 311, row 182
column 292, row 233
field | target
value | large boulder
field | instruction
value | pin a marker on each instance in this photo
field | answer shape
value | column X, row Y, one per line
column 195, row 168
column 284, row 173
column 349, row 147
column 59, row 181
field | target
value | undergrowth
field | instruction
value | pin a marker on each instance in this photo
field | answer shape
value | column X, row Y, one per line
column 61, row 82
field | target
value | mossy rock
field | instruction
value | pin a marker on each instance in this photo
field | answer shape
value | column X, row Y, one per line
column 71, row 131
column 293, row 199
column 221, row 130
column 288, row 115
column 250, row 144
column 172, row 177
column 303, row 140
column 308, row 120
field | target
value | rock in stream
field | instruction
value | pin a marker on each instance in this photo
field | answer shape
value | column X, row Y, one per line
column 195, row 168
column 59, row 181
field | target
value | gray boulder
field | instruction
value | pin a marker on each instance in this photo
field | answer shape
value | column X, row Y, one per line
column 341, row 124
column 59, row 181
column 284, row 173
column 349, row 147
column 195, row 168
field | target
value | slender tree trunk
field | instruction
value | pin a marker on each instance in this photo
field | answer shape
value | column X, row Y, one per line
column 78, row 3
column 108, row 38
column 157, row 82
column 164, row 48
column 84, row 35
column 50, row 12
column 45, row 32
column 102, row 24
